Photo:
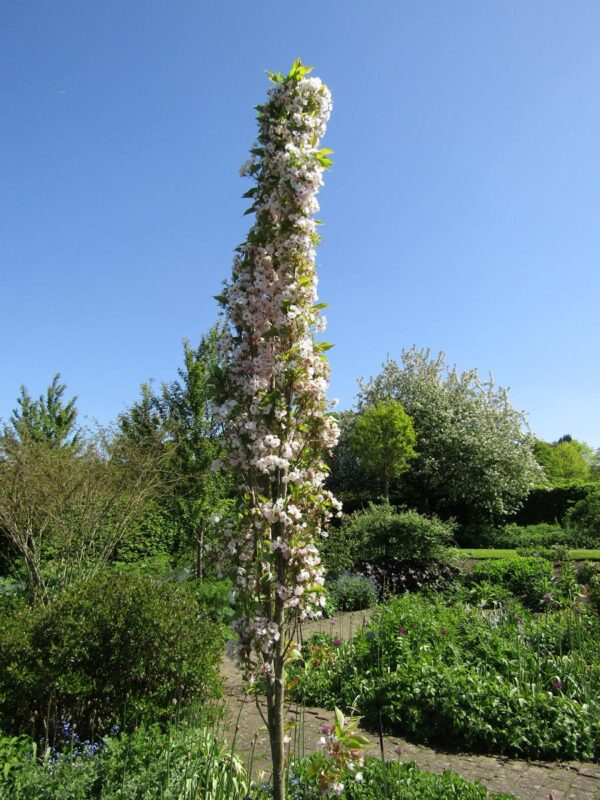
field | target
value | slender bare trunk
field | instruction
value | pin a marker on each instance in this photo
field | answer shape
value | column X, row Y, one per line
column 276, row 690
column 275, row 708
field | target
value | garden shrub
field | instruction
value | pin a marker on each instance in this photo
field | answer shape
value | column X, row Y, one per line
column 500, row 680
column 587, row 570
column 12, row 594
column 381, row 534
column 583, row 521
column 541, row 535
column 157, row 533
column 186, row 762
column 528, row 577
column 594, row 592
column 213, row 599
column 114, row 649
column 15, row 753
column 351, row 593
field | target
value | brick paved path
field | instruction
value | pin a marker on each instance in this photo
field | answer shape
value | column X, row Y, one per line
column 526, row 780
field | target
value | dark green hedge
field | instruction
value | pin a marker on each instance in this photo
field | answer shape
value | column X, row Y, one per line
column 551, row 504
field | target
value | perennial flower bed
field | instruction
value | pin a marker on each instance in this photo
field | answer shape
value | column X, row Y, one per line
column 501, row 680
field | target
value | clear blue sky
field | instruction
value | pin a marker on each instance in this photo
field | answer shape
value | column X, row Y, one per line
column 461, row 214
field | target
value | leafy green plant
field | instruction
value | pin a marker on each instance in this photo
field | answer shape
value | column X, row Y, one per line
column 586, row 571
column 352, row 593
column 213, row 600
column 339, row 757
column 117, row 648
column 497, row 679
column 15, row 751
column 181, row 763
column 543, row 534
column 393, row 779
column 527, row 577
column 384, row 440
column 594, row 592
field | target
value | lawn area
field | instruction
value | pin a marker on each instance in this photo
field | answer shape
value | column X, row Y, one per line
column 485, row 553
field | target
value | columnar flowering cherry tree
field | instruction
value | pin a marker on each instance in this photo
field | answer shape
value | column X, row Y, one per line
column 272, row 393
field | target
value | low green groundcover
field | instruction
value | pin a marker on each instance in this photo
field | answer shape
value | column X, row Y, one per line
column 500, row 679
column 186, row 763
column 394, row 780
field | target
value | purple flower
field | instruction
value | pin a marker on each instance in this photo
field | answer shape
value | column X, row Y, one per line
column 557, row 684
column 547, row 597
column 326, row 730
column 403, row 630
column 336, row 642
column 442, row 631
column 398, row 750
column 332, row 622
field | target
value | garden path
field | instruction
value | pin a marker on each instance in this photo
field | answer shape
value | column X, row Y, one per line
column 526, row 780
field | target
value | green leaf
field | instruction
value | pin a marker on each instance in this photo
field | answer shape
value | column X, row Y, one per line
column 357, row 740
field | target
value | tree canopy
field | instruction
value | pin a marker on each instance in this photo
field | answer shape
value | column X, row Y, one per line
column 475, row 451
column 383, row 440
column 567, row 460
column 49, row 419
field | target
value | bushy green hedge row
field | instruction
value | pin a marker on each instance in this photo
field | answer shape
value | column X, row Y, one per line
column 550, row 504
column 115, row 649
column 499, row 680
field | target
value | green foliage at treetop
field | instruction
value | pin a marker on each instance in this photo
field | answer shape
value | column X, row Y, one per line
column 47, row 420
column 384, row 439
column 567, row 460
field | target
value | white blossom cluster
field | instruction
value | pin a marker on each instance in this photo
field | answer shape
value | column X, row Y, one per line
column 272, row 401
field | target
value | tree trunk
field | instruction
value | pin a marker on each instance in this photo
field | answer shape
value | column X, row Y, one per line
column 277, row 692
column 275, row 709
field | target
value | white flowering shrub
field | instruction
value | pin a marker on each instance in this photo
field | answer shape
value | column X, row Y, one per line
column 272, row 391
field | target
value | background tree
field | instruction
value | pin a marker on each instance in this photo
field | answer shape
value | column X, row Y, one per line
column 475, row 452
column 178, row 421
column 566, row 460
column 49, row 419
column 346, row 478
column 383, row 440
column 64, row 511
column 272, row 393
